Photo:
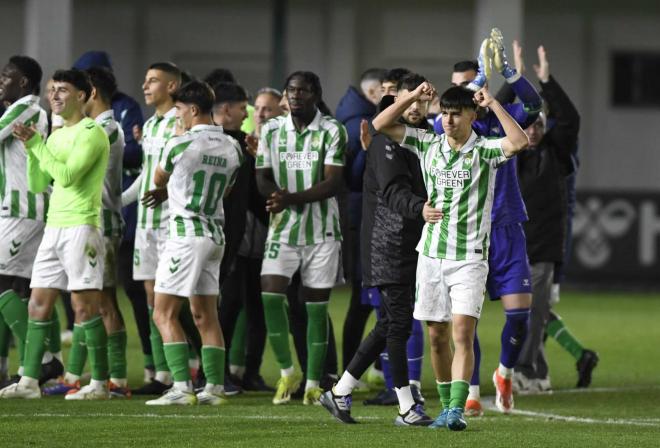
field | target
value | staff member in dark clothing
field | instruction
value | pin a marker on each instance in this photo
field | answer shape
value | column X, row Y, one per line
column 394, row 196
column 542, row 172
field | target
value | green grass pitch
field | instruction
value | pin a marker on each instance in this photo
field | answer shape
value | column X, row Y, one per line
column 620, row 409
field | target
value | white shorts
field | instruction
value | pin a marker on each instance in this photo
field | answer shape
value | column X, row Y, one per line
column 189, row 266
column 111, row 270
column 19, row 245
column 149, row 244
column 70, row 258
column 446, row 287
column 319, row 263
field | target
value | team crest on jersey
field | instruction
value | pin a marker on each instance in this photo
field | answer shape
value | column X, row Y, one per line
column 315, row 143
column 467, row 161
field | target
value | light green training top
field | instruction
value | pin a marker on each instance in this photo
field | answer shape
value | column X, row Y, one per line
column 75, row 158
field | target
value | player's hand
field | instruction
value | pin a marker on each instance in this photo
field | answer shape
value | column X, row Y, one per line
column 518, row 60
column 365, row 136
column 500, row 61
column 252, row 144
column 23, row 133
column 483, row 98
column 485, row 66
column 424, row 92
column 430, row 214
column 542, row 69
column 153, row 198
column 137, row 133
column 277, row 201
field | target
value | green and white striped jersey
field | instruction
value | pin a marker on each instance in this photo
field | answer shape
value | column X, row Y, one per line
column 111, row 219
column 298, row 161
column 155, row 134
column 203, row 164
column 17, row 200
column 461, row 183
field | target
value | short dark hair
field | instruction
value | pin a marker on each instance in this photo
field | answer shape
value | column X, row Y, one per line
column 466, row 66
column 167, row 67
column 30, row 69
column 76, row 78
column 229, row 92
column 219, row 75
column 373, row 74
column 198, row 93
column 395, row 75
column 457, row 98
column 310, row 78
column 103, row 81
column 410, row 82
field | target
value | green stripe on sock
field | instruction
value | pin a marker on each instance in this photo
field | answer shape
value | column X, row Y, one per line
column 213, row 360
column 557, row 330
column 176, row 354
column 117, row 354
column 317, row 338
column 458, row 394
column 97, row 347
column 78, row 352
column 277, row 327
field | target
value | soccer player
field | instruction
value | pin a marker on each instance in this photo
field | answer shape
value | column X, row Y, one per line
column 71, row 254
column 459, row 169
column 98, row 107
column 299, row 169
column 161, row 81
column 509, row 277
column 23, row 212
column 198, row 169
column 392, row 222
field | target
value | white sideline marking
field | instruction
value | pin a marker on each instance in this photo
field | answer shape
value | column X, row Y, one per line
column 652, row 422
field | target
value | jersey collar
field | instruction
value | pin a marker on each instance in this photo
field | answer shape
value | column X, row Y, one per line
column 467, row 147
column 25, row 99
column 105, row 115
column 315, row 125
column 206, row 127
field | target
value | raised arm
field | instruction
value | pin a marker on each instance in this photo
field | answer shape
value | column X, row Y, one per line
column 515, row 140
column 387, row 123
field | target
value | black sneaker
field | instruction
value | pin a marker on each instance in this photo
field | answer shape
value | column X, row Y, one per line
column 585, row 366
column 338, row 405
column 153, row 388
column 417, row 395
column 415, row 416
column 231, row 388
column 51, row 370
column 256, row 383
column 386, row 397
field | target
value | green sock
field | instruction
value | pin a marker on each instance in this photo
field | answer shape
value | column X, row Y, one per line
column 277, row 326
column 78, row 352
column 117, row 354
column 237, row 349
column 444, row 391
column 97, row 347
column 190, row 329
column 148, row 360
column 5, row 338
column 317, row 338
column 176, row 354
column 15, row 314
column 213, row 360
column 160, row 363
column 35, row 346
column 558, row 331
column 55, row 342
column 459, row 393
